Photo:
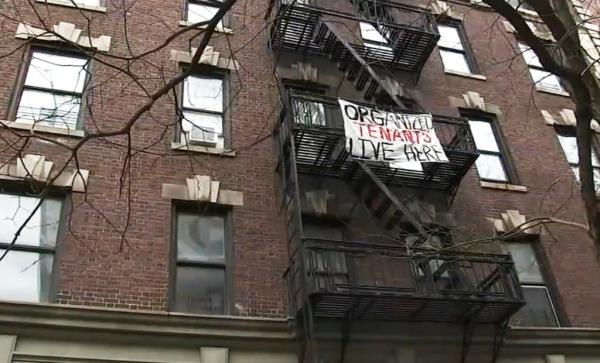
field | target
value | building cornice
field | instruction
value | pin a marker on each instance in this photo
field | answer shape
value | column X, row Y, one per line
column 88, row 320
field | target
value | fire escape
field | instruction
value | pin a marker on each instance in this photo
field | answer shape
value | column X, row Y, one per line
column 376, row 281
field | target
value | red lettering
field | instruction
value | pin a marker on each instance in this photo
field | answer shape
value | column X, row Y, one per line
column 408, row 136
column 372, row 131
column 385, row 133
column 397, row 136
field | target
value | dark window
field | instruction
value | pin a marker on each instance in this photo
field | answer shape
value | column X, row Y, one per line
column 568, row 142
column 539, row 309
column 26, row 270
column 306, row 106
column 453, row 49
column 201, row 262
column 492, row 161
column 53, row 89
column 541, row 78
column 203, row 110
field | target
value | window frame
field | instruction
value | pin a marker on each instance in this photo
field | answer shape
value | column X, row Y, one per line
column 53, row 49
column 569, row 131
column 206, row 72
column 467, row 50
column 385, row 45
column 547, row 284
column 504, row 153
column 22, row 189
column 225, row 21
column 539, row 85
column 228, row 249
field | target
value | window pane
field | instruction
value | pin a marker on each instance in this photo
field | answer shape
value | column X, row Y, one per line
column 545, row 79
column 569, row 146
column 202, row 127
column 49, row 109
column 455, row 61
column 529, row 56
column 200, row 290
column 203, row 93
column 449, row 37
column 596, row 177
column 25, row 276
column 484, row 136
column 200, row 237
column 526, row 263
column 538, row 310
column 490, row 167
column 200, row 13
column 370, row 33
column 42, row 228
column 309, row 113
column 57, row 72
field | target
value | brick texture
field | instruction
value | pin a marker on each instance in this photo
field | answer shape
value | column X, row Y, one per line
column 96, row 267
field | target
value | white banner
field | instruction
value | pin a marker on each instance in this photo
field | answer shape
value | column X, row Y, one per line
column 402, row 140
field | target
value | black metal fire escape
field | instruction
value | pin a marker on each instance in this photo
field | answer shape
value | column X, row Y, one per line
column 455, row 288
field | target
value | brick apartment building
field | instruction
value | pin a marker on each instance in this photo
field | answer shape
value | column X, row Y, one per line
column 231, row 225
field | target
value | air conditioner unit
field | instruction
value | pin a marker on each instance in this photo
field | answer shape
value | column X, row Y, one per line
column 203, row 135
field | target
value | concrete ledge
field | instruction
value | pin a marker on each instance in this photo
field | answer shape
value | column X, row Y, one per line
column 552, row 91
column 67, row 3
column 89, row 320
column 218, row 29
column 466, row 75
column 202, row 149
column 37, row 128
column 504, row 186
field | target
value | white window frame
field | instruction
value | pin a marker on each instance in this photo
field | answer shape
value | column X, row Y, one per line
column 574, row 164
column 23, row 247
column 458, row 49
column 534, row 66
column 372, row 37
column 205, row 9
column 217, row 131
column 500, row 154
column 24, row 116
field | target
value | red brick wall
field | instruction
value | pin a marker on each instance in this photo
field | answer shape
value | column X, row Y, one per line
column 95, row 268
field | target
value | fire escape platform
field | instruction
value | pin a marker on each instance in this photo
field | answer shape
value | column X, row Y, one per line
column 320, row 148
column 351, row 280
column 302, row 28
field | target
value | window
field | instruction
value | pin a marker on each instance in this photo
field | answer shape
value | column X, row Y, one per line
column 203, row 111
column 491, row 163
column 568, row 142
column 201, row 262
column 452, row 49
column 203, row 10
column 520, row 5
column 539, row 309
column 53, row 88
column 307, row 111
column 541, row 78
column 372, row 37
column 26, row 270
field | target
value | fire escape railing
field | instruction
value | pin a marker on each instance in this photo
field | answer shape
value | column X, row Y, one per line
column 385, row 282
column 411, row 33
column 315, row 122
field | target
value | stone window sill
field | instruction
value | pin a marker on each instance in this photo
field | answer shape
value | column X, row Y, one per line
column 68, row 3
column 504, row 186
column 219, row 29
column 43, row 129
column 466, row 75
column 552, row 91
column 202, row 149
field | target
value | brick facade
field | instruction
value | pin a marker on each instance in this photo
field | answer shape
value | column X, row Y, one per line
column 96, row 267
